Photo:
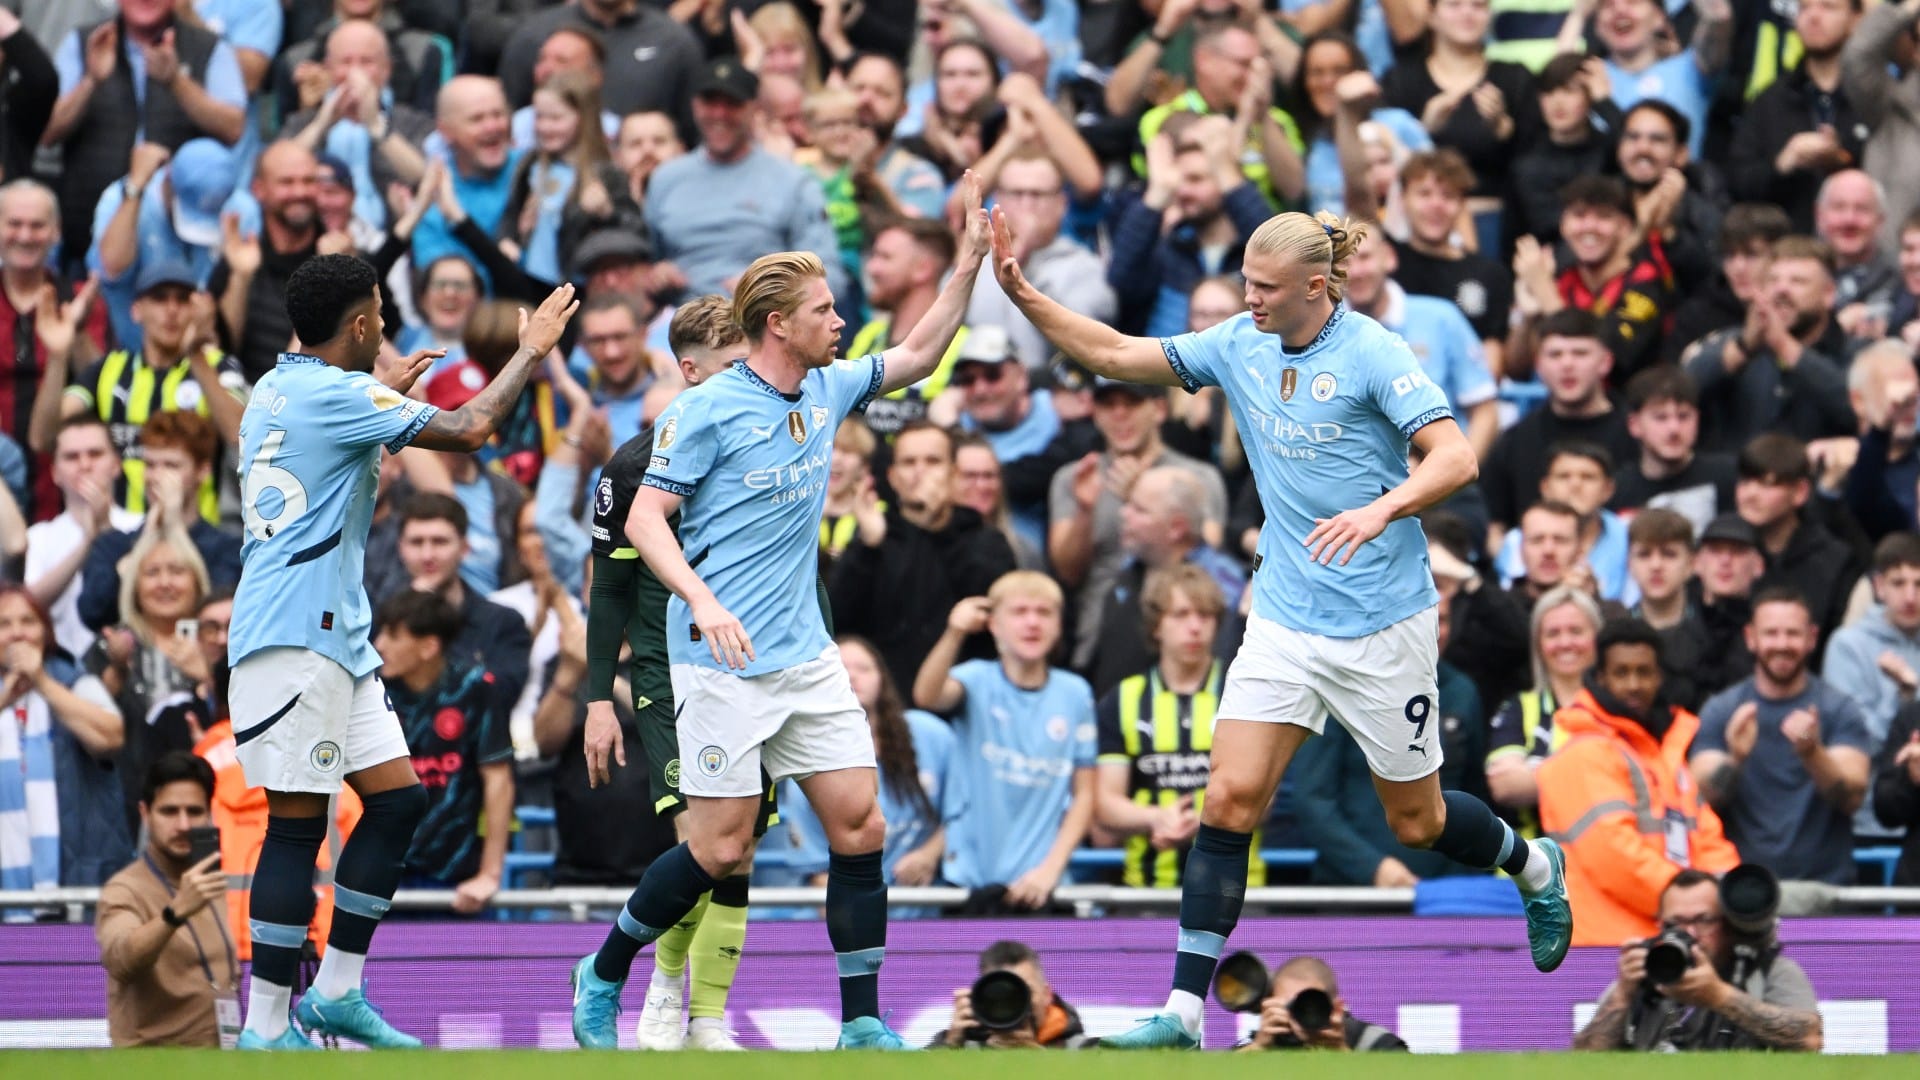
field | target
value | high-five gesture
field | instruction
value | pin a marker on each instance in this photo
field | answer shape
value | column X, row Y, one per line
column 975, row 241
column 541, row 330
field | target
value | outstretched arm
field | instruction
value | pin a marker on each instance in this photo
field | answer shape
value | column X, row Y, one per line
column 1098, row 347
column 470, row 426
column 916, row 358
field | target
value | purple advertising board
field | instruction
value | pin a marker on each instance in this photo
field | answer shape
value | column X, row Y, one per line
column 1446, row 984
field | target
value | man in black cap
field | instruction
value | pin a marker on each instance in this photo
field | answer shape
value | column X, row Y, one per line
column 179, row 369
column 1726, row 564
column 729, row 202
column 613, row 261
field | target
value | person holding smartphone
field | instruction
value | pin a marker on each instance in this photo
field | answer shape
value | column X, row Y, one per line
column 173, row 973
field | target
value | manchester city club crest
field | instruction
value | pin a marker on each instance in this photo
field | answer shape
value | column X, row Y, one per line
column 712, row 760
column 1289, row 382
column 797, row 426
column 325, row 756
column 1323, row 386
column 819, row 416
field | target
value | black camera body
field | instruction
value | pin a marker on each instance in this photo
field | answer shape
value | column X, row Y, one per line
column 1002, row 1001
column 1669, row 955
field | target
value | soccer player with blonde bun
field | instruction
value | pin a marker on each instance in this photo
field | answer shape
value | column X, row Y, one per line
column 1344, row 607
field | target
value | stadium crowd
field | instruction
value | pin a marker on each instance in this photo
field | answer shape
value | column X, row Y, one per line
column 1663, row 260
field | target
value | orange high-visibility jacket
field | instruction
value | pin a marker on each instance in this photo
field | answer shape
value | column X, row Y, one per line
column 1630, row 817
column 240, row 812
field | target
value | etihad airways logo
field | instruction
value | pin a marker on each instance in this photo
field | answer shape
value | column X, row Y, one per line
column 1291, row 439
column 794, row 481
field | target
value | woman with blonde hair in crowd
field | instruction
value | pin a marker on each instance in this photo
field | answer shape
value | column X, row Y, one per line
column 1564, row 629
column 849, row 485
column 977, row 485
column 153, row 658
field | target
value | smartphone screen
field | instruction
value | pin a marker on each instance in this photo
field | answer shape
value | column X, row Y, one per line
column 186, row 629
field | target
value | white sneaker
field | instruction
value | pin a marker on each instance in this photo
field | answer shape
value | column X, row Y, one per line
column 661, row 1024
column 711, row 1038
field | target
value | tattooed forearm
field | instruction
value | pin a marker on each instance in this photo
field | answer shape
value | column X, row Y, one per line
column 470, row 426
column 1776, row 1026
column 1608, row 1028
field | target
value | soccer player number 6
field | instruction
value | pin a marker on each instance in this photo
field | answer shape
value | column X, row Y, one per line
column 262, row 476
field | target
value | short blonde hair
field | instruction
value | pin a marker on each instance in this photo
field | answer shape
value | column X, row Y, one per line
column 703, row 323
column 774, row 284
column 1028, row 583
column 1320, row 240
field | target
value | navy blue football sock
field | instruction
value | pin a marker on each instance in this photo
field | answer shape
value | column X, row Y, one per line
column 857, row 927
column 281, row 904
column 672, row 885
column 1474, row 835
column 1211, row 893
column 371, row 865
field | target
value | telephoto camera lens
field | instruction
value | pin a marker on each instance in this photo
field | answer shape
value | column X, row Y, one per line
column 1002, row 1001
column 1311, row 1009
column 1750, row 899
column 1240, row 983
column 1669, row 956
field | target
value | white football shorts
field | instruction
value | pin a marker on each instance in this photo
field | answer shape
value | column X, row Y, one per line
column 1383, row 688
column 794, row 722
column 301, row 722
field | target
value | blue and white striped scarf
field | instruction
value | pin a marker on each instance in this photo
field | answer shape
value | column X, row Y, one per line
column 29, row 808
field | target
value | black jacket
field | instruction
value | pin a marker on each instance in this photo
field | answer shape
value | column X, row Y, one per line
column 1896, row 798
column 1710, row 308
column 1725, row 659
column 1820, row 567
column 495, row 638
column 1793, row 105
column 898, row 595
column 1489, row 642
column 1541, row 170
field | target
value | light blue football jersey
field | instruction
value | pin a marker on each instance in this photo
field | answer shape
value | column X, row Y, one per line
column 751, row 463
column 309, row 464
column 1017, row 755
column 1326, row 430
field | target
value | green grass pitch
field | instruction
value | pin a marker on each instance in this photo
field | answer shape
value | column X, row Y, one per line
column 957, row 1065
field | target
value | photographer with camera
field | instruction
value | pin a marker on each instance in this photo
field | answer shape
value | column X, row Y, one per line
column 1299, row 1007
column 1712, row 979
column 1012, row 1006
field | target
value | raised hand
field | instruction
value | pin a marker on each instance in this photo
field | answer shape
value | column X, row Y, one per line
column 1006, row 258
column 1743, row 729
column 240, row 251
column 58, row 325
column 103, row 51
column 970, row 616
column 1802, row 729
column 402, row 375
column 976, row 238
column 163, row 60
column 542, row 330
column 204, row 884
column 147, row 161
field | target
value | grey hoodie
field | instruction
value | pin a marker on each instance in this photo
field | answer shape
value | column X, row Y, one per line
column 1853, row 666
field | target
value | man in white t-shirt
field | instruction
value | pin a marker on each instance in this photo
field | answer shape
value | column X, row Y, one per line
column 86, row 468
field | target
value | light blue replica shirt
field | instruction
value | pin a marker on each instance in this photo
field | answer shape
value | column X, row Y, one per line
column 1677, row 80
column 751, row 463
column 1445, row 344
column 1018, row 750
column 309, row 463
column 1326, row 430
column 908, row 827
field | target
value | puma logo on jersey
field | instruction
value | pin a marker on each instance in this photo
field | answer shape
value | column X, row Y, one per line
column 762, row 433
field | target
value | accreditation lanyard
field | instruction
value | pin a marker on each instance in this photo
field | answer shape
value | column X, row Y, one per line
column 226, row 1003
